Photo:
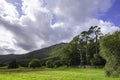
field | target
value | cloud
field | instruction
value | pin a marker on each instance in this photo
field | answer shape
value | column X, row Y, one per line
column 77, row 11
column 7, row 42
column 46, row 22
column 8, row 11
column 106, row 27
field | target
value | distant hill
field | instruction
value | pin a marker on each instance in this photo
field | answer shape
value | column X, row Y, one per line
column 42, row 54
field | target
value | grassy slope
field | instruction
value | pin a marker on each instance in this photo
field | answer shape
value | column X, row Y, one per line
column 44, row 53
column 53, row 74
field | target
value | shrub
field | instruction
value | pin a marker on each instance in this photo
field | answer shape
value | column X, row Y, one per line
column 34, row 63
column 57, row 63
column 110, row 51
column 97, row 60
column 92, row 61
column 115, row 74
column 13, row 64
column 108, row 74
column 24, row 63
column 49, row 64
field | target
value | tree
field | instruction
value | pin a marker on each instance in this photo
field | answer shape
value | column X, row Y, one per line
column 91, row 52
column 34, row 63
column 13, row 64
column 73, row 47
column 96, row 31
column 85, row 35
column 82, row 51
column 82, row 48
column 97, row 60
column 110, row 50
column 57, row 63
column 70, row 53
column 49, row 63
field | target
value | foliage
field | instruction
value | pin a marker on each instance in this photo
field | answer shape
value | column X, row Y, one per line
column 83, row 48
column 53, row 64
column 57, row 63
column 110, row 50
column 115, row 74
column 50, row 64
column 13, row 64
column 34, row 63
column 70, row 54
column 97, row 60
column 24, row 63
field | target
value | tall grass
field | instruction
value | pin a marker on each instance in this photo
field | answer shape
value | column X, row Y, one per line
column 53, row 74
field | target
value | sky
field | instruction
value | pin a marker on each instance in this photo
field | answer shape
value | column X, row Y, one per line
column 27, row 25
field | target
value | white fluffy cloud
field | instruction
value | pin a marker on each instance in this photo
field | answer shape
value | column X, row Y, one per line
column 77, row 11
column 46, row 22
column 106, row 27
column 8, row 11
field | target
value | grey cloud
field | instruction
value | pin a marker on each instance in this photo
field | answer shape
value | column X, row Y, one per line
column 74, row 12
column 21, row 35
column 6, row 50
column 41, row 28
column 2, row 50
column 26, row 36
column 11, row 51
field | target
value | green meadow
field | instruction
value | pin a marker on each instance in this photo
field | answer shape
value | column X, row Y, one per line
column 53, row 74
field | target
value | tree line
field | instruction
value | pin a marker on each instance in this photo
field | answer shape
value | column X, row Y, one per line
column 84, row 49
column 89, row 48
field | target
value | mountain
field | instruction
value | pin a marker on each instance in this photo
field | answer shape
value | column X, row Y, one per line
column 42, row 54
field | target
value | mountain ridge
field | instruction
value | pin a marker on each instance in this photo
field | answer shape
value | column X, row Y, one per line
column 23, row 59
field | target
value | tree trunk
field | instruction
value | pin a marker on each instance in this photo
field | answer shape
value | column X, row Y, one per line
column 96, row 44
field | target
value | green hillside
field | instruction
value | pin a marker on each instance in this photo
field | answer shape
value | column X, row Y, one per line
column 23, row 59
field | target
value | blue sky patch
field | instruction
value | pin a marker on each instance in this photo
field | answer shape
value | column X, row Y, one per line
column 18, row 4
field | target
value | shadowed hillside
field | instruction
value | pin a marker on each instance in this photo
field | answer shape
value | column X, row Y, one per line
column 41, row 54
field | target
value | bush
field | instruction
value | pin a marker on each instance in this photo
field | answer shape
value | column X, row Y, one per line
column 13, row 64
column 97, row 60
column 115, row 74
column 110, row 51
column 108, row 73
column 24, row 63
column 34, row 63
column 49, row 64
column 93, row 61
column 57, row 63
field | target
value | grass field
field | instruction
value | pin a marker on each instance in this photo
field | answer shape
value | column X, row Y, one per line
column 53, row 74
